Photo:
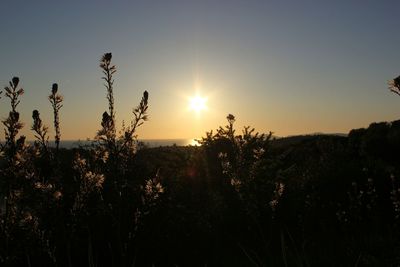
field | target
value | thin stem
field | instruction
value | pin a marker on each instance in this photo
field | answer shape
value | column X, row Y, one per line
column 108, row 71
column 56, row 100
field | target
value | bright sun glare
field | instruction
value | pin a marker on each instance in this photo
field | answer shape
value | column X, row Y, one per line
column 197, row 103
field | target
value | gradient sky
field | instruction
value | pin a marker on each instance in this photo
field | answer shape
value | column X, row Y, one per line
column 291, row 67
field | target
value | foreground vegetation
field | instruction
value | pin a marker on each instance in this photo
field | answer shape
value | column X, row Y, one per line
column 240, row 199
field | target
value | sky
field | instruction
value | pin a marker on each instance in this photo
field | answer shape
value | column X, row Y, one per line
column 290, row 67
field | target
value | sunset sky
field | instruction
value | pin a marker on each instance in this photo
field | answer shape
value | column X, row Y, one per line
column 291, row 67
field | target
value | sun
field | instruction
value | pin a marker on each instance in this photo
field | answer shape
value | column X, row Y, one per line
column 197, row 103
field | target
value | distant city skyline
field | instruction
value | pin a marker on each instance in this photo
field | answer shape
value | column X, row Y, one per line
column 290, row 67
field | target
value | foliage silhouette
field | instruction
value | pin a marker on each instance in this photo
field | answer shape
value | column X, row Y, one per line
column 394, row 85
column 239, row 199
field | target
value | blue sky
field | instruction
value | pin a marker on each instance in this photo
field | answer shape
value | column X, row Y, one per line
column 290, row 67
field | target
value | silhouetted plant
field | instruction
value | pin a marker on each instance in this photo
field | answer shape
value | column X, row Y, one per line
column 276, row 196
column 13, row 149
column 12, row 123
column 110, row 161
column 241, row 161
column 294, row 201
column 107, row 134
column 152, row 192
column 108, row 121
column 40, row 130
column 16, row 175
column 56, row 99
column 129, row 137
column 122, row 149
column 89, row 182
column 394, row 85
column 395, row 198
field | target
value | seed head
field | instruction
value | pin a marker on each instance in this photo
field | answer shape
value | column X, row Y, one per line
column 230, row 118
column 15, row 81
column 35, row 114
column 106, row 117
column 145, row 97
column 107, row 57
column 54, row 88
